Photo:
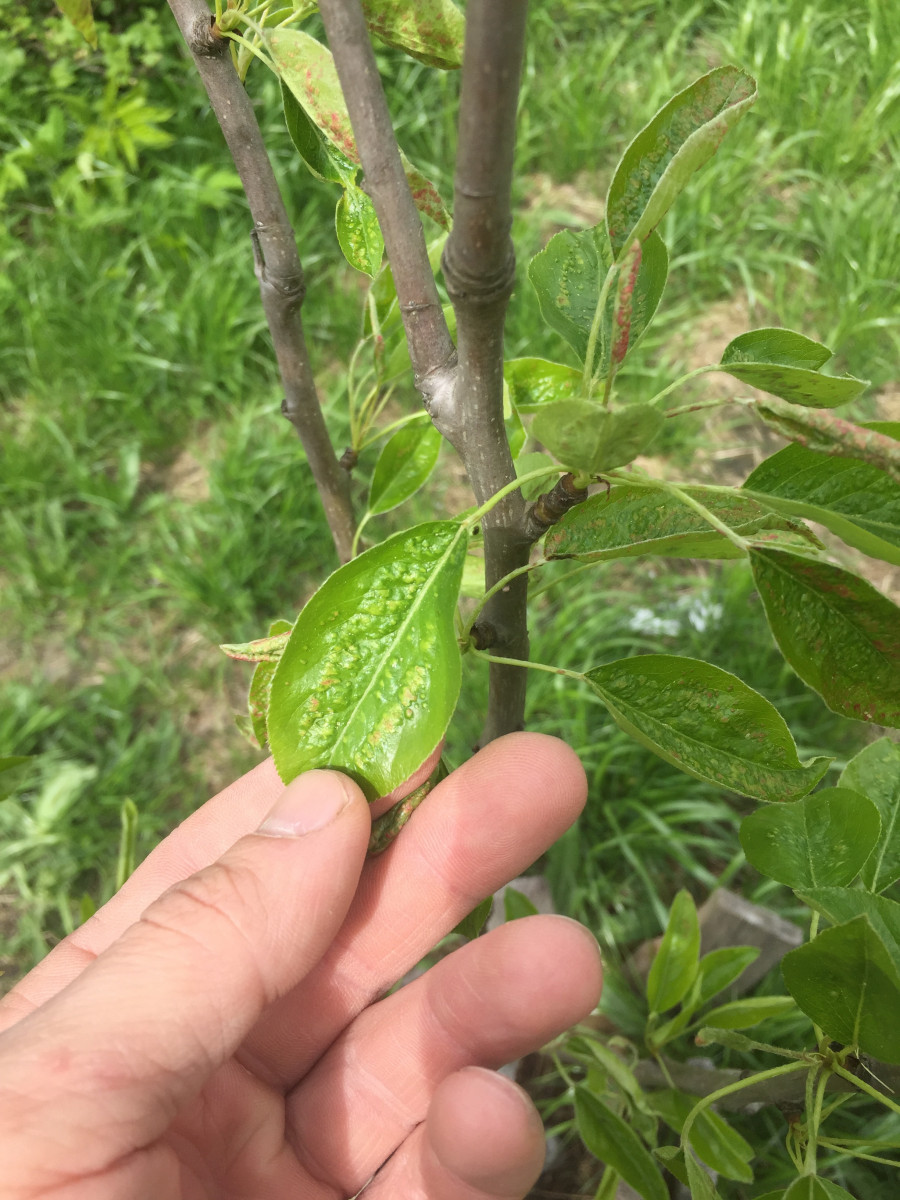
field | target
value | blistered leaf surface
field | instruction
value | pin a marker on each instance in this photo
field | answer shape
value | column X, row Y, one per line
column 369, row 678
column 358, row 231
column 586, row 437
column 429, row 30
column 707, row 722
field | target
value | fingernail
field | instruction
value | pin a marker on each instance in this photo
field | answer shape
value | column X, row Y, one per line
column 310, row 802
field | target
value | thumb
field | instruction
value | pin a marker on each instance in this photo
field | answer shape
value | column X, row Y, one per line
column 137, row 1034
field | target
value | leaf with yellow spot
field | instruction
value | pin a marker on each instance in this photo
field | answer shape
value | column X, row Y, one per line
column 369, row 678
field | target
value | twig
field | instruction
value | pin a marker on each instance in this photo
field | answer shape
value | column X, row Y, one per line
column 479, row 270
column 276, row 259
column 430, row 345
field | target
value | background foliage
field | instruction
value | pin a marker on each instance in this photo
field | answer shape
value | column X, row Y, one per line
column 153, row 502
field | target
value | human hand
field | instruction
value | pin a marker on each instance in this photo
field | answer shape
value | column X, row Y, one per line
column 217, row 1030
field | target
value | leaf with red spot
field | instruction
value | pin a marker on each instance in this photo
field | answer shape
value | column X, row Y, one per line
column 370, row 676
column 840, row 635
column 429, row 30
column 820, row 431
column 628, row 275
column 683, row 135
column 707, row 722
column 307, row 70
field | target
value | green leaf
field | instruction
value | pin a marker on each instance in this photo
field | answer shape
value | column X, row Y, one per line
column 820, row 840
column 429, row 30
column 840, row 905
column 632, row 520
column 840, row 635
column 260, row 650
column 307, row 69
column 568, row 275
column 702, row 1187
column 613, row 1142
column 11, row 774
column 370, row 676
column 853, row 499
column 80, row 13
column 846, row 982
column 516, row 905
column 813, row 1187
column 808, row 388
column 472, row 924
column 587, row 437
column 683, row 135
column 675, row 966
column 533, row 382
column 672, row 1158
column 405, row 462
column 827, row 434
column 743, row 1014
column 321, row 155
column 612, row 1065
column 720, row 968
column 781, row 346
column 712, row 1138
column 706, row 722
column 358, row 231
column 875, row 772
column 261, row 684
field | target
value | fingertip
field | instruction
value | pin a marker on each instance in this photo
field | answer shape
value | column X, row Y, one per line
column 484, row 1132
column 309, row 803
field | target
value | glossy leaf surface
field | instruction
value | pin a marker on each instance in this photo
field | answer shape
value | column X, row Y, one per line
column 675, row 964
column 683, row 135
column 568, row 275
column 840, row 635
column 533, row 382
column 875, row 772
column 613, row 1142
column 631, row 520
column 846, row 981
column 744, row 1014
column 856, row 501
column 358, row 231
column 587, row 437
column 783, row 346
column 712, row 1138
column 404, row 464
column 707, row 722
column 821, row 840
column 429, row 30
column 369, row 678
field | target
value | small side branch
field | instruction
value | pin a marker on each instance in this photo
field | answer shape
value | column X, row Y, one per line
column 479, row 269
column 277, row 262
column 430, row 345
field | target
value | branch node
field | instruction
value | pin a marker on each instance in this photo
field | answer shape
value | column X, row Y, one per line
column 549, row 507
column 483, row 635
column 205, row 39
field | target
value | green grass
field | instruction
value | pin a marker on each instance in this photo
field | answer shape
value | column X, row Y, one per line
column 132, row 344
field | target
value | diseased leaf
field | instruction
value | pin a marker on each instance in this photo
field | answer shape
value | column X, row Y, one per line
column 712, row 1138
column 676, row 962
column 568, row 276
column 307, row 69
column 81, row 14
column 633, row 520
column 807, row 388
column 683, row 135
column 613, row 1142
column 358, row 231
column 429, row 30
column 587, row 437
column 875, row 772
column 261, row 683
column 321, row 155
column 706, row 722
column 846, row 982
column 853, row 499
column 267, row 649
column 818, row 841
column 404, row 464
column 840, row 635
column 370, row 676
column 743, row 1014
column 533, row 382
column 782, row 346
column 832, row 435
